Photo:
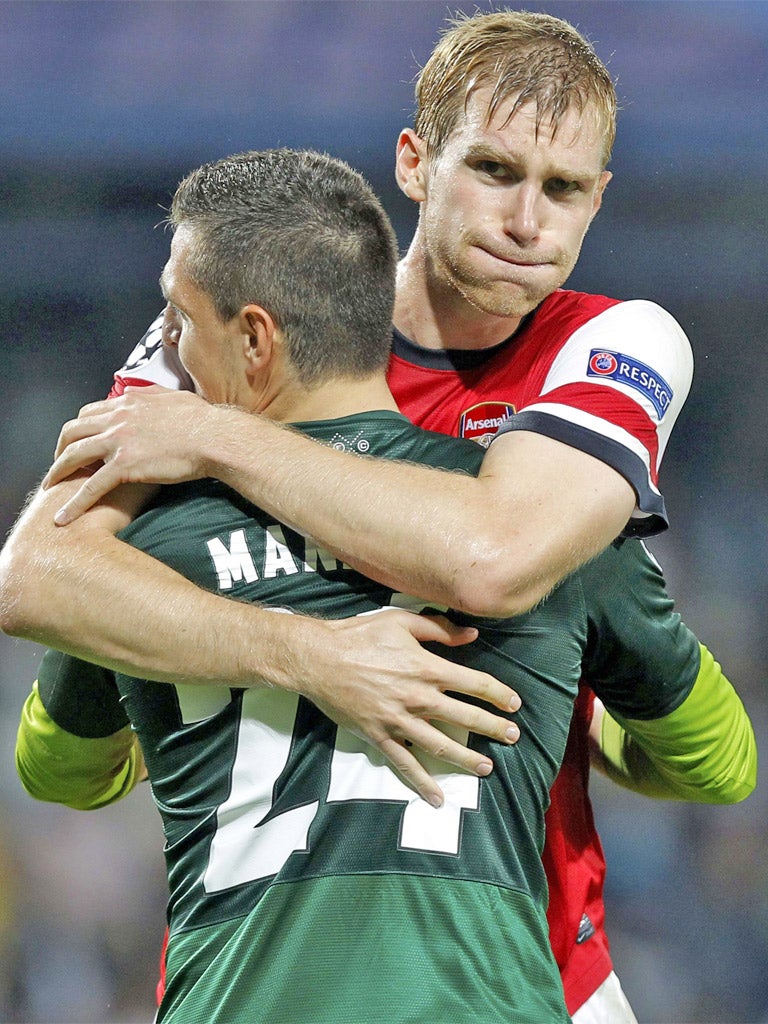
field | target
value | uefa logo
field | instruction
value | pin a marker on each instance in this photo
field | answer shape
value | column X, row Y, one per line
column 603, row 363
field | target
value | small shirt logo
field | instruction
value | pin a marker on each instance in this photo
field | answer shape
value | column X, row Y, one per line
column 480, row 422
column 633, row 373
column 602, row 364
column 586, row 930
column 358, row 443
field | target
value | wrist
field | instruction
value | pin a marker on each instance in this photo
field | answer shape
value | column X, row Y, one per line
column 227, row 443
column 290, row 659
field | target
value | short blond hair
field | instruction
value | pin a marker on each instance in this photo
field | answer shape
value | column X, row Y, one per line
column 517, row 54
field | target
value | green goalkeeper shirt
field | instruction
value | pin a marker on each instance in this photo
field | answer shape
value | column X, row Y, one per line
column 307, row 883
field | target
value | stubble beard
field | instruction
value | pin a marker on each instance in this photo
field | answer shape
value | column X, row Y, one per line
column 508, row 300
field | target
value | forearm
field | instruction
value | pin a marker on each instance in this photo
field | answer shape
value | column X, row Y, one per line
column 381, row 517
column 83, row 591
column 491, row 545
column 704, row 751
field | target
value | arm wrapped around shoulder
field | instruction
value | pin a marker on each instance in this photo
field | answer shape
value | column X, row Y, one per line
column 704, row 751
column 81, row 772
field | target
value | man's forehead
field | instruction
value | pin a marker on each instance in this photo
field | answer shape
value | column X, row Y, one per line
column 577, row 131
column 166, row 277
column 179, row 243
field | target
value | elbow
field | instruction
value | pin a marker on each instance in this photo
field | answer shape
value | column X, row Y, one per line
column 741, row 784
column 485, row 586
column 16, row 592
column 739, row 793
column 730, row 791
column 49, row 793
column 733, row 783
column 11, row 611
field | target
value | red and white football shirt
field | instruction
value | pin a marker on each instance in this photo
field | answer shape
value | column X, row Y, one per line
column 609, row 378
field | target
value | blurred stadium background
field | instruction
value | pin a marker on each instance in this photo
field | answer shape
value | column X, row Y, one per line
column 104, row 107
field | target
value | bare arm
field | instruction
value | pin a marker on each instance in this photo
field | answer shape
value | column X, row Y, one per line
column 485, row 545
column 84, row 591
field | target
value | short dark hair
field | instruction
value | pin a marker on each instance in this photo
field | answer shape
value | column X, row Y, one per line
column 303, row 235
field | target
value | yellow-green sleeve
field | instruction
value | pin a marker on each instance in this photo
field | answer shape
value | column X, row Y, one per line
column 59, row 767
column 704, row 751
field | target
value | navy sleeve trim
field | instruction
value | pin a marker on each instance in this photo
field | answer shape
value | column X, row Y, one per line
column 652, row 517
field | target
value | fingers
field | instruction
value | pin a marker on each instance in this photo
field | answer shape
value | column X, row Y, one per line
column 83, row 426
column 410, row 698
column 468, row 718
column 449, row 750
column 448, row 675
column 76, row 455
column 476, row 720
column 469, row 681
column 438, row 629
column 412, row 772
column 428, row 739
column 417, row 735
column 96, row 418
column 92, row 490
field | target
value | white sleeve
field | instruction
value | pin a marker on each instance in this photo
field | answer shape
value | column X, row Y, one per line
column 152, row 362
column 615, row 390
column 638, row 349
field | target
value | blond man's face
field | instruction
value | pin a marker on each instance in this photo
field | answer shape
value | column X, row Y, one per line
column 505, row 210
